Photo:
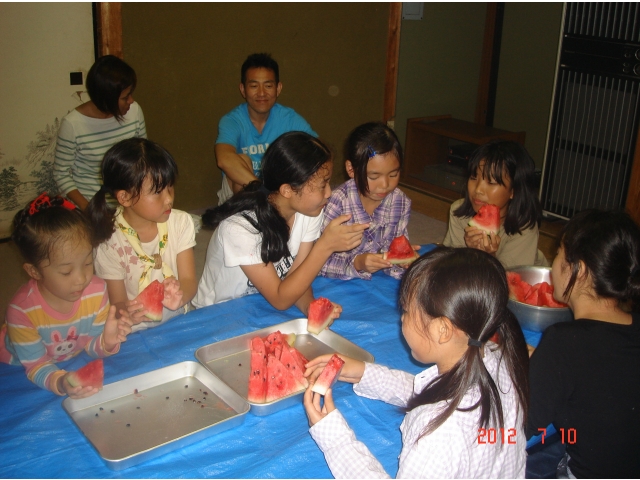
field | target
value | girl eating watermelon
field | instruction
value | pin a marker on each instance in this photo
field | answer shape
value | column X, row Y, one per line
column 453, row 301
column 585, row 374
column 500, row 174
column 144, row 239
column 267, row 236
column 374, row 160
column 64, row 308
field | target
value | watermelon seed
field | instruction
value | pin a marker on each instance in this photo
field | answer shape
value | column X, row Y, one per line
column 201, row 406
column 97, row 415
column 113, row 411
column 186, row 386
column 138, row 408
column 128, row 424
column 239, row 364
column 135, row 391
column 101, row 408
column 205, row 393
column 167, row 398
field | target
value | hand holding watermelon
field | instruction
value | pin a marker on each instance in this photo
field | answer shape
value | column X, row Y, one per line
column 321, row 314
column 482, row 232
column 312, row 405
column 172, row 293
column 351, row 372
column 84, row 382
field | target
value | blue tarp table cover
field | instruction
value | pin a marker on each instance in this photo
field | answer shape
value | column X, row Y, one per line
column 39, row 440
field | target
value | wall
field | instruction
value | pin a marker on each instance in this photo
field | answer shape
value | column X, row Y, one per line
column 40, row 44
column 439, row 65
column 188, row 57
column 530, row 37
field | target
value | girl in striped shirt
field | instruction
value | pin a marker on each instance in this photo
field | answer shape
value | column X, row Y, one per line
column 88, row 131
column 64, row 308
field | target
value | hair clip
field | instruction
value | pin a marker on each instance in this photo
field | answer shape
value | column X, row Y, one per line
column 474, row 343
column 43, row 201
column 372, row 152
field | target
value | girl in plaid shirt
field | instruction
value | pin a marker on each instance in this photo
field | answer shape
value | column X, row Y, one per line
column 465, row 414
column 370, row 196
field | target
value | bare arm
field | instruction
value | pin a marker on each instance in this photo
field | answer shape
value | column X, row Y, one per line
column 237, row 167
column 187, row 273
column 76, row 197
column 282, row 294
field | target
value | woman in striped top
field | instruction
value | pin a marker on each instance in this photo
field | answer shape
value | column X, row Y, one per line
column 88, row 131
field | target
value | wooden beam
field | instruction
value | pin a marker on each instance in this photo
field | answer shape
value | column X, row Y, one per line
column 109, row 28
column 633, row 194
column 393, row 54
column 488, row 65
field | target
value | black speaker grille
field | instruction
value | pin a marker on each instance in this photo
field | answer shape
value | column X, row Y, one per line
column 617, row 21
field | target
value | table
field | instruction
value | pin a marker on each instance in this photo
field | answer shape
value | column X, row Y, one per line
column 39, row 440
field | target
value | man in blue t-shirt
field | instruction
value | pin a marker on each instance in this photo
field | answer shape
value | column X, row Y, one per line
column 246, row 131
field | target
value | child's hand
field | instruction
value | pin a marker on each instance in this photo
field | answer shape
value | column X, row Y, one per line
column 116, row 330
column 370, row 262
column 337, row 310
column 352, row 370
column 136, row 312
column 476, row 238
column 338, row 237
column 172, row 293
column 315, row 412
column 75, row 392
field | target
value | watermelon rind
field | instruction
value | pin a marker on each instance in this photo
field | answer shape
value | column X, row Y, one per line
column 329, row 375
column 487, row 219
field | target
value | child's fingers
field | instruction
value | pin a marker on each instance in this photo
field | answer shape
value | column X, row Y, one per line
column 329, row 406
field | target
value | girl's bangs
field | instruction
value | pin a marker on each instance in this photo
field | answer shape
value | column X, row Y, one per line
column 493, row 168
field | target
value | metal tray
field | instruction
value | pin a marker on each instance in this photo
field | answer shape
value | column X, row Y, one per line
column 148, row 415
column 230, row 359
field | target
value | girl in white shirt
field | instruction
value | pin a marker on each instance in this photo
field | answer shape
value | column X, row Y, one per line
column 465, row 414
column 267, row 236
column 144, row 238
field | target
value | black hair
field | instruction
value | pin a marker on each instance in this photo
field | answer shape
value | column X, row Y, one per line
column 509, row 158
column 608, row 243
column 366, row 141
column 259, row 60
column 469, row 287
column 108, row 77
column 37, row 229
column 293, row 159
column 125, row 166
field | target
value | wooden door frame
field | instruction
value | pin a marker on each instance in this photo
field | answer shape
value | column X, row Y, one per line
column 108, row 24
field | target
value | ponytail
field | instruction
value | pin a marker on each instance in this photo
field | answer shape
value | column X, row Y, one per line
column 468, row 287
column 266, row 220
column 101, row 216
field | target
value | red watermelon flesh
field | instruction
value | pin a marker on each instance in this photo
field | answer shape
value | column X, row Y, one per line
column 329, row 375
column 91, row 375
column 319, row 317
column 280, row 381
column 272, row 341
column 292, row 364
column 518, row 288
column 487, row 219
column 258, row 375
column 151, row 299
column 302, row 360
column 400, row 251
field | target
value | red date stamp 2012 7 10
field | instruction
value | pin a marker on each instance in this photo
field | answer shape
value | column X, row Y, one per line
column 567, row 435
column 500, row 435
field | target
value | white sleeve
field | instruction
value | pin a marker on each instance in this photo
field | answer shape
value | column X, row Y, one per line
column 314, row 226
column 184, row 231
column 108, row 262
column 382, row 383
column 240, row 242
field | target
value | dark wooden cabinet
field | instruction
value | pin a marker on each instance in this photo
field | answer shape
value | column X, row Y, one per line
column 435, row 150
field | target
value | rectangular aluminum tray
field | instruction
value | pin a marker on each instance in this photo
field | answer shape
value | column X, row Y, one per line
column 143, row 417
column 230, row 359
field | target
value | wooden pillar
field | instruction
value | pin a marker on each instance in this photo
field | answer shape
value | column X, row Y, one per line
column 393, row 53
column 109, row 28
column 633, row 194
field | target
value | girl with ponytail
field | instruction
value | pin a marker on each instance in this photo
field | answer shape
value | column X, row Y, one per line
column 585, row 374
column 144, row 239
column 267, row 236
column 453, row 301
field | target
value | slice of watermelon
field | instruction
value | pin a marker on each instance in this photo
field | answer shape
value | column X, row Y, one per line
column 487, row 219
column 151, row 299
column 320, row 311
column 329, row 375
column 518, row 288
column 272, row 340
column 91, row 375
column 400, row 251
column 258, row 375
column 292, row 364
column 302, row 360
column 546, row 300
column 280, row 381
